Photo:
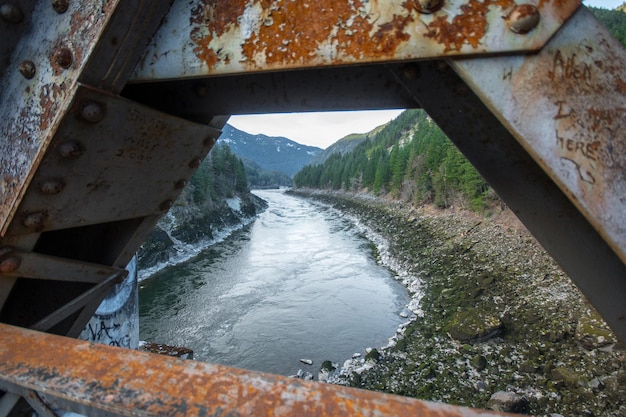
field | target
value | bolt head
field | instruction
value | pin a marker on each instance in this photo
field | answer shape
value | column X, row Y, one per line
column 427, row 6
column 166, row 205
column 195, row 163
column 92, row 112
column 201, row 90
column 52, row 187
column 63, row 58
column 35, row 221
column 11, row 13
column 523, row 18
column 210, row 141
column 10, row 265
column 60, row 6
column 28, row 69
column 70, row 150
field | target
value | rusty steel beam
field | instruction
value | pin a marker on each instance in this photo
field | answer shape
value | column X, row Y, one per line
column 210, row 37
column 15, row 263
column 37, row 84
column 98, row 380
column 566, row 106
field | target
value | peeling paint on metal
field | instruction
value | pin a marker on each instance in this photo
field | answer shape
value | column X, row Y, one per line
column 567, row 105
column 260, row 35
column 31, row 109
column 81, row 376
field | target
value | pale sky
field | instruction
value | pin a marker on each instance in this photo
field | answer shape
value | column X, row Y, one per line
column 314, row 129
column 324, row 129
column 607, row 4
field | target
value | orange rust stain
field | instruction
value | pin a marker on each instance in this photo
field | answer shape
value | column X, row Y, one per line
column 620, row 86
column 291, row 32
column 390, row 34
column 468, row 27
column 210, row 20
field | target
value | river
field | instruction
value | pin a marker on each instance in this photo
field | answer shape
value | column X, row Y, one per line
column 299, row 282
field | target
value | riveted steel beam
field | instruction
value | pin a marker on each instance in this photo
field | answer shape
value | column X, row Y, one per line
column 566, row 106
column 47, row 48
column 524, row 145
column 98, row 380
column 209, row 37
column 93, row 173
column 15, row 263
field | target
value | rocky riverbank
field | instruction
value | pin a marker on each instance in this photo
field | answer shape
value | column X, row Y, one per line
column 496, row 323
column 187, row 229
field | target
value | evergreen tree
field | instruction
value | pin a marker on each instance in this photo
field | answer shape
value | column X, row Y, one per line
column 410, row 158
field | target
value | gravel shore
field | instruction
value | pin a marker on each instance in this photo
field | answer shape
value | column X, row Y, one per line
column 495, row 317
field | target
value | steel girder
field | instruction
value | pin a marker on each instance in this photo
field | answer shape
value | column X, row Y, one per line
column 97, row 97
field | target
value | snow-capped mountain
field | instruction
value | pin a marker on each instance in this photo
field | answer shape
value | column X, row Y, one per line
column 269, row 152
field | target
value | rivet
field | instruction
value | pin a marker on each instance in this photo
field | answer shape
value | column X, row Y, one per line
column 11, row 13
column 92, row 112
column 180, row 185
column 195, row 163
column 210, row 141
column 28, row 69
column 10, row 265
column 70, row 150
column 52, row 187
column 411, row 72
column 35, row 221
column 166, row 205
column 427, row 6
column 63, row 57
column 60, row 6
column 523, row 18
column 201, row 90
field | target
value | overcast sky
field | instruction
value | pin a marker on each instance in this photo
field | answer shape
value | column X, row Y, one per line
column 315, row 129
column 607, row 4
column 324, row 129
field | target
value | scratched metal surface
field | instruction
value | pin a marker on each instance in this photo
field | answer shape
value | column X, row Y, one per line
column 210, row 37
column 98, row 380
column 58, row 45
column 567, row 107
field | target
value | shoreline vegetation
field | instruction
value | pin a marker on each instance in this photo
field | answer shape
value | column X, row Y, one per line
column 496, row 322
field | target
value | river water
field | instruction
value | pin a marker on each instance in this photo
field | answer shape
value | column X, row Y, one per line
column 299, row 282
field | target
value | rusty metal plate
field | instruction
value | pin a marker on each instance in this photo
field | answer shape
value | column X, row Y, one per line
column 38, row 80
column 98, row 380
column 111, row 159
column 210, row 37
column 567, row 107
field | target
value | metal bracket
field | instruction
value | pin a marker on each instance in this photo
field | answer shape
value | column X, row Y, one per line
column 111, row 159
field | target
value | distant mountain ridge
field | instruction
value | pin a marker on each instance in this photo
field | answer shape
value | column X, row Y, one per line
column 271, row 153
column 345, row 145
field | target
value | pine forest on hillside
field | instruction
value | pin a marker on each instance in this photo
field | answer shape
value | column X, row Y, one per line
column 221, row 175
column 412, row 159
column 613, row 20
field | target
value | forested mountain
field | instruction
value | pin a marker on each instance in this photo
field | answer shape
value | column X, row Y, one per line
column 262, row 178
column 269, row 152
column 343, row 145
column 221, row 175
column 411, row 159
column 215, row 200
column 614, row 20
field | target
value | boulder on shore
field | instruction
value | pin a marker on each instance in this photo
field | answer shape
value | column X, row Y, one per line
column 508, row 402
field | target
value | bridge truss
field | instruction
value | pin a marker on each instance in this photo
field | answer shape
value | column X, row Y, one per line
column 107, row 108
